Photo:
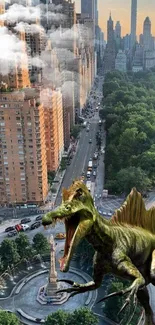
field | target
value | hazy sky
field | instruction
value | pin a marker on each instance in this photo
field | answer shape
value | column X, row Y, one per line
column 120, row 10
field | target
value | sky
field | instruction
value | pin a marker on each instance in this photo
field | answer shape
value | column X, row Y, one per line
column 120, row 10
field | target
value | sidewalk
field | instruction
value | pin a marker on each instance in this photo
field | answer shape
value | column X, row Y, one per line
column 52, row 196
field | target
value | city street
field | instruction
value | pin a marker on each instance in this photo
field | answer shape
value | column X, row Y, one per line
column 84, row 152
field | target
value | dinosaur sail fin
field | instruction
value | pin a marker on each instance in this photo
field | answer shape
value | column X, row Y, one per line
column 133, row 212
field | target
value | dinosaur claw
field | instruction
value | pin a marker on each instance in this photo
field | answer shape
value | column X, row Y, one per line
column 67, row 281
column 124, row 306
column 113, row 294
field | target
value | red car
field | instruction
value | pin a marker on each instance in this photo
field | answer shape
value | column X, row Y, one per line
column 18, row 227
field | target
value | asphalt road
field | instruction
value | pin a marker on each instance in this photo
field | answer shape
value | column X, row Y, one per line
column 84, row 152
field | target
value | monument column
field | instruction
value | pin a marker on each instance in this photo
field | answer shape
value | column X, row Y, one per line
column 52, row 283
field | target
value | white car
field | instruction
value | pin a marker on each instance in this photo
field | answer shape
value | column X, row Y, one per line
column 25, row 227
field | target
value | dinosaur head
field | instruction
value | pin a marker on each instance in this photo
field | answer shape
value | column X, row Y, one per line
column 76, row 211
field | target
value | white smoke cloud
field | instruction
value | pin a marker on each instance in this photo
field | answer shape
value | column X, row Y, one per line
column 17, row 13
column 30, row 28
column 59, row 67
column 11, row 51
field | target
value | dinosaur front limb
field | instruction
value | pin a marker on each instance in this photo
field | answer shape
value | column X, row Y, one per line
column 92, row 285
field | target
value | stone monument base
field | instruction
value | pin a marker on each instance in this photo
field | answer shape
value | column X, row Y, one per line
column 47, row 295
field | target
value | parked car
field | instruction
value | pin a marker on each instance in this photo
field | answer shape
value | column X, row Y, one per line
column 94, row 173
column 12, row 233
column 25, row 220
column 25, row 227
column 90, row 140
column 39, row 218
column 9, row 229
column 35, row 225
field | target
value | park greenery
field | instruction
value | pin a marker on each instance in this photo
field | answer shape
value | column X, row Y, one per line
column 75, row 131
column 15, row 251
column 7, row 318
column 129, row 111
column 82, row 316
column 112, row 306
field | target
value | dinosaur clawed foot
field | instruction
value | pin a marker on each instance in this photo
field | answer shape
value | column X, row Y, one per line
column 133, row 293
column 113, row 294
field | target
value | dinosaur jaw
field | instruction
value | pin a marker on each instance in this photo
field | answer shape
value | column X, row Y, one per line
column 72, row 227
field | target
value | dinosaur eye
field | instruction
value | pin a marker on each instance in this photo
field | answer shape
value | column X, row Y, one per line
column 68, row 207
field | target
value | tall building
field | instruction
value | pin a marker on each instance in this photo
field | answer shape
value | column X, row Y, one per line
column 121, row 61
column 117, row 33
column 117, row 30
column 147, row 34
column 54, row 132
column 14, row 72
column 133, row 22
column 109, row 57
column 89, row 7
column 23, row 167
column 67, row 8
column 126, row 42
column 96, row 13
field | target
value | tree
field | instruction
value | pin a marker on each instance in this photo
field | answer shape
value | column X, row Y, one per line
column 109, row 87
column 75, row 131
column 23, row 246
column 51, row 176
column 9, row 253
column 113, row 305
column 8, row 318
column 83, row 316
column 102, row 114
column 40, row 243
column 63, row 163
column 60, row 317
column 130, row 177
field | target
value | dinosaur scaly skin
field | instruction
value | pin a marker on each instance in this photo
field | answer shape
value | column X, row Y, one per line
column 124, row 245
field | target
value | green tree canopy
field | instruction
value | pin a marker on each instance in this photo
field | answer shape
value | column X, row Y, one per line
column 82, row 316
column 129, row 112
column 40, row 243
column 9, row 253
column 60, row 317
column 130, row 177
column 7, row 318
column 23, row 246
column 75, row 131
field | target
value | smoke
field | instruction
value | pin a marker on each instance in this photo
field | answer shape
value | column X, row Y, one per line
column 17, row 13
column 29, row 28
column 57, row 60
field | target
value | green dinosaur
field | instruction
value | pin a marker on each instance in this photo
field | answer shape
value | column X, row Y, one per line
column 124, row 245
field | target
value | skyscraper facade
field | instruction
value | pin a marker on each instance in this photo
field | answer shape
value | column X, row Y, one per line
column 109, row 58
column 147, row 34
column 23, row 166
column 133, row 23
column 118, row 35
column 88, row 7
